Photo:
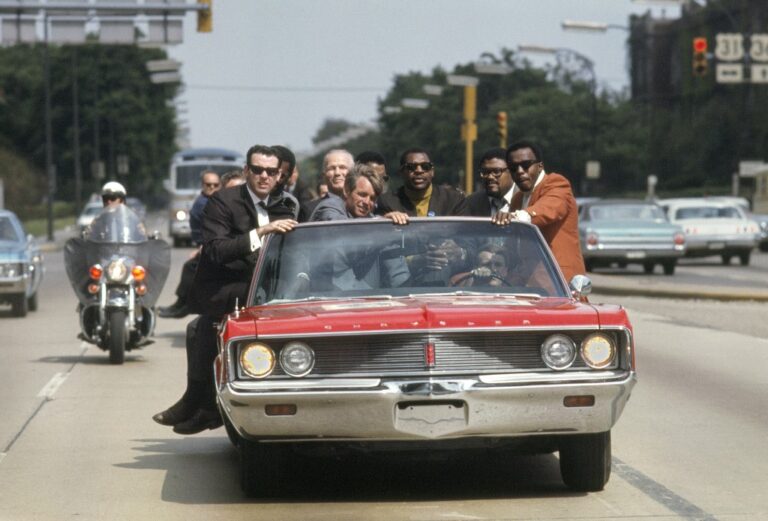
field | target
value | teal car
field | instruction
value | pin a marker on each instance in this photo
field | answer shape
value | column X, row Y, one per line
column 21, row 266
column 622, row 231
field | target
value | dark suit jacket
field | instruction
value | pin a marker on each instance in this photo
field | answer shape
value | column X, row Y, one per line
column 552, row 208
column 444, row 201
column 226, row 261
column 478, row 204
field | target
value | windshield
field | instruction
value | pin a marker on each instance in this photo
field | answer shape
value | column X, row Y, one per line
column 8, row 231
column 708, row 212
column 621, row 212
column 118, row 224
column 372, row 257
column 188, row 176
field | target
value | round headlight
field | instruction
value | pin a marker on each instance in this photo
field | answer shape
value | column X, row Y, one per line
column 181, row 215
column 117, row 271
column 257, row 360
column 558, row 352
column 297, row 358
column 598, row 351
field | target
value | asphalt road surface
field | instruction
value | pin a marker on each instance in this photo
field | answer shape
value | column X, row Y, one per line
column 77, row 440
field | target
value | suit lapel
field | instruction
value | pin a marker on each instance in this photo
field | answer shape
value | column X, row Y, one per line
column 248, row 204
column 517, row 201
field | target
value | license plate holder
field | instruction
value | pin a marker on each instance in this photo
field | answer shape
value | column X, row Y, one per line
column 431, row 419
column 635, row 254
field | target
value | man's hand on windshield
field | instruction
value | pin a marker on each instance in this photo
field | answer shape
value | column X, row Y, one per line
column 397, row 217
column 279, row 226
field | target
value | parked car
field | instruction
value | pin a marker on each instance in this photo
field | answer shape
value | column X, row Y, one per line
column 89, row 213
column 624, row 231
column 714, row 228
column 445, row 334
column 760, row 219
column 21, row 265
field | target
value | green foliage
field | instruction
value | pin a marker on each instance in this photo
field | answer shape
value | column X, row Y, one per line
column 120, row 112
column 23, row 185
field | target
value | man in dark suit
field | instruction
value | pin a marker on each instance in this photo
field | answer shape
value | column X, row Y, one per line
column 419, row 197
column 234, row 222
column 496, row 194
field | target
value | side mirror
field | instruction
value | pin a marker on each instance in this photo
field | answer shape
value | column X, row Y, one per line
column 581, row 286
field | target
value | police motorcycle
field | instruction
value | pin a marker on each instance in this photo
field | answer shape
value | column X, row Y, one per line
column 117, row 272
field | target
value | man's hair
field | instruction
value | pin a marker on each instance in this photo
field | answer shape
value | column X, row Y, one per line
column 370, row 156
column 525, row 144
column 286, row 156
column 206, row 172
column 232, row 174
column 414, row 150
column 495, row 249
column 341, row 151
column 363, row 170
column 263, row 150
column 494, row 153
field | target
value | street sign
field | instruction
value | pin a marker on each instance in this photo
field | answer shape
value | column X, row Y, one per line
column 758, row 47
column 593, row 170
column 457, row 80
column 122, row 164
column 759, row 73
column 730, row 46
column 165, row 77
column 729, row 73
column 163, row 65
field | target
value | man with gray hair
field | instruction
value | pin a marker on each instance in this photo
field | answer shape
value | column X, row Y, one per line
column 336, row 165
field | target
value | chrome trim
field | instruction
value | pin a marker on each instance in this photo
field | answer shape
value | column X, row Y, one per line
column 324, row 383
column 555, row 378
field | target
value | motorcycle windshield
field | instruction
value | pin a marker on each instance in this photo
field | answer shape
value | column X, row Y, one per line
column 118, row 224
column 117, row 236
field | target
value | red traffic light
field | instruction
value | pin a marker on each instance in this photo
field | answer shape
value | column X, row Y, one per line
column 700, row 44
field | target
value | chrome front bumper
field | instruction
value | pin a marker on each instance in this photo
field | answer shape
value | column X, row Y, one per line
column 718, row 243
column 14, row 286
column 428, row 408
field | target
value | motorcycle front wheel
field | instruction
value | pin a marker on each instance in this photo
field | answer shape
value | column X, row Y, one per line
column 117, row 336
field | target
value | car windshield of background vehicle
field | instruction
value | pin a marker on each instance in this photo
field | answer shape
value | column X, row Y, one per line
column 8, row 231
column 620, row 212
column 374, row 258
column 188, row 177
column 709, row 212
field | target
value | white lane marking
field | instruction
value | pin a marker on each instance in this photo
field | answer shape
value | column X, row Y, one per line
column 2, row 456
column 52, row 386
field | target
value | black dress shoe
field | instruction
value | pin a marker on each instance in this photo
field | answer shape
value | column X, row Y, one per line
column 173, row 311
column 201, row 420
column 178, row 412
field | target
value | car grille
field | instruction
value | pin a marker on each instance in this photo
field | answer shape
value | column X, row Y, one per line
column 455, row 353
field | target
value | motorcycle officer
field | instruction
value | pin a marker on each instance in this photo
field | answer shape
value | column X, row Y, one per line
column 112, row 194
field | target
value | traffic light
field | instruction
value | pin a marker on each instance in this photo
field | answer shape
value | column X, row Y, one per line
column 205, row 17
column 700, row 64
column 501, row 120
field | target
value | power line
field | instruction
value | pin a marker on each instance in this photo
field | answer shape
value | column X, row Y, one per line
column 262, row 88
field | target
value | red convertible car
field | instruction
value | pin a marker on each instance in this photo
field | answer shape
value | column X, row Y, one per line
column 443, row 334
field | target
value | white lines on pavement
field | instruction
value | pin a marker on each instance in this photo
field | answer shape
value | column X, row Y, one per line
column 2, row 455
column 52, row 386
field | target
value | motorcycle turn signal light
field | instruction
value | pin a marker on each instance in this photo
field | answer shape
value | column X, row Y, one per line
column 93, row 288
column 141, row 290
column 138, row 273
column 96, row 271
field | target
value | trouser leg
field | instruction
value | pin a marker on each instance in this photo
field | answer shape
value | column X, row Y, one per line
column 201, row 352
column 187, row 279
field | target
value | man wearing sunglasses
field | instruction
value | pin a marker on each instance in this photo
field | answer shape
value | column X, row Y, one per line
column 496, row 195
column 209, row 184
column 545, row 200
column 234, row 222
column 419, row 197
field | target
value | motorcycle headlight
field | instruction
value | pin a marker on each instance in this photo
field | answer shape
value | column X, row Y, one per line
column 297, row 359
column 598, row 351
column 257, row 360
column 558, row 352
column 180, row 215
column 117, row 271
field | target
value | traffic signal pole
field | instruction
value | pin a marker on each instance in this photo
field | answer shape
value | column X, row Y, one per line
column 469, row 135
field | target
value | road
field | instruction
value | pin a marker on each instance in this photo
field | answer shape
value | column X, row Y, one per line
column 77, row 440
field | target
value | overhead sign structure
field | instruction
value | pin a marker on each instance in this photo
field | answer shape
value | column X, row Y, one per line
column 731, row 67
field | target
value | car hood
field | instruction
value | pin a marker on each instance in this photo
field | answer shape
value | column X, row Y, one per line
column 418, row 313
column 12, row 252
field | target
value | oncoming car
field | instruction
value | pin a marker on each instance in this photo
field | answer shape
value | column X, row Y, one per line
column 714, row 228
column 443, row 334
column 21, row 266
column 624, row 231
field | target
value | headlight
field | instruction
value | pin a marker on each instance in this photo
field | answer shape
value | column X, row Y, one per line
column 11, row 270
column 598, row 351
column 257, row 360
column 297, row 359
column 558, row 352
column 117, row 271
column 180, row 215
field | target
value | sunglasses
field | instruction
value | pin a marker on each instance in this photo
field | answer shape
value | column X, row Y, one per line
column 111, row 197
column 426, row 166
column 524, row 164
column 492, row 172
column 212, row 185
column 258, row 170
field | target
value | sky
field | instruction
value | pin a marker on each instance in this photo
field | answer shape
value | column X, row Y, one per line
column 272, row 71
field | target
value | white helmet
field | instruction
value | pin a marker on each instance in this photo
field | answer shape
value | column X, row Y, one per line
column 113, row 188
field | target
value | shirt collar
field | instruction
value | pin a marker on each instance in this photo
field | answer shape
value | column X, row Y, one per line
column 516, row 189
column 255, row 198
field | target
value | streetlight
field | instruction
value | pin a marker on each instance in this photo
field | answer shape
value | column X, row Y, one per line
column 562, row 52
column 589, row 26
